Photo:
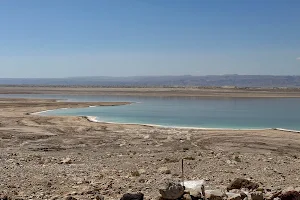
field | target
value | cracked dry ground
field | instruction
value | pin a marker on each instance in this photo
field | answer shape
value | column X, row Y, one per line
column 115, row 159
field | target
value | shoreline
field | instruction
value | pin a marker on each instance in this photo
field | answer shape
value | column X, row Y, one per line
column 94, row 119
column 47, row 156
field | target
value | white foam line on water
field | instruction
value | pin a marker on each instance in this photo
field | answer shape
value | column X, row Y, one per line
column 94, row 119
column 36, row 113
column 43, row 111
column 287, row 130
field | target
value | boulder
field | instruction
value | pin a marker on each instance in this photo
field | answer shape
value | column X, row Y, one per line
column 290, row 195
column 215, row 195
column 242, row 183
column 288, row 189
column 171, row 190
column 257, row 196
column 129, row 196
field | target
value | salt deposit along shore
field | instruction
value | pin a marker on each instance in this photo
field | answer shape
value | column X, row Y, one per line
column 46, row 157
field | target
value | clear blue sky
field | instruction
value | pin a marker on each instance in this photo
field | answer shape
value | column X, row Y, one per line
column 62, row 38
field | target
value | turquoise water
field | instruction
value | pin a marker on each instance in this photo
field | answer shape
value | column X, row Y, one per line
column 237, row 113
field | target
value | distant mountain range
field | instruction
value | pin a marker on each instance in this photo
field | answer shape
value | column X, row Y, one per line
column 162, row 81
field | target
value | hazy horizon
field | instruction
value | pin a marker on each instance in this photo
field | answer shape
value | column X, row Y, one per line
column 184, row 75
column 55, row 39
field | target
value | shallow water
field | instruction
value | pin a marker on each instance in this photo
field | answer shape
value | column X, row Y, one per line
column 233, row 113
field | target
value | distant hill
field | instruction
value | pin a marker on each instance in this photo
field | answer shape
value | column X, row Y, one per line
column 163, row 81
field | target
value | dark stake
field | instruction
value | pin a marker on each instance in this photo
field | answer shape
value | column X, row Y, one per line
column 182, row 176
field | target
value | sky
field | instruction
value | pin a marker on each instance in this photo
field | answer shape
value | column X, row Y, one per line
column 49, row 39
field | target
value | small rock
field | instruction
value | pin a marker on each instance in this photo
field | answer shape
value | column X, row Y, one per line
column 70, row 198
column 142, row 180
column 257, row 196
column 244, row 195
column 164, row 170
column 99, row 197
column 171, row 191
column 233, row 196
column 214, row 194
column 66, row 161
column 272, row 195
column 146, row 136
column 260, row 189
column 4, row 197
column 245, row 191
column 242, row 183
column 142, row 171
column 128, row 196
column 197, row 193
column 236, row 191
column 186, row 197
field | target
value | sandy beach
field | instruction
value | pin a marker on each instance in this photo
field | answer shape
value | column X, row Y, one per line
column 52, row 157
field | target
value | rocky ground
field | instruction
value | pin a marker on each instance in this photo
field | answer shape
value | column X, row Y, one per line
column 59, row 157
